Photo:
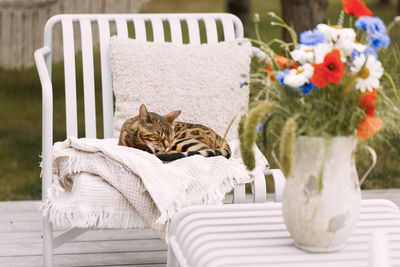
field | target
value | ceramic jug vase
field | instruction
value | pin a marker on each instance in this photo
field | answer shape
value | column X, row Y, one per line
column 321, row 199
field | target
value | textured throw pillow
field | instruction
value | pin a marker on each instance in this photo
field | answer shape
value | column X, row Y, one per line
column 207, row 82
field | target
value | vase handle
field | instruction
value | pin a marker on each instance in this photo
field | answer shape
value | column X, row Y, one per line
column 373, row 156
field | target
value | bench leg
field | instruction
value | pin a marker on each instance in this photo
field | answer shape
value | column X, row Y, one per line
column 171, row 258
column 47, row 243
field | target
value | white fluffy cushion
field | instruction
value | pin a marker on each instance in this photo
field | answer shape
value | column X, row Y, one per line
column 203, row 81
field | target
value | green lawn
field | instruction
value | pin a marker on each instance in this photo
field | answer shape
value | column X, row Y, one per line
column 20, row 106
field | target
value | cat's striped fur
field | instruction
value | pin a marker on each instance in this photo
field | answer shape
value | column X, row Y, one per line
column 170, row 140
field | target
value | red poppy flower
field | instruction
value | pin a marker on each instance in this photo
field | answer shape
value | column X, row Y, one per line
column 269, row 70
column 367, row 102
column 282, row 63
column 368, row 127
column 331, row 70
column 356, row 8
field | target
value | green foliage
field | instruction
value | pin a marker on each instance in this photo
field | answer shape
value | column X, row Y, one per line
column 248, row 135
column 20, row 135
column 20, row 125
column 387, row 142
column 286, row 146
column 324, row 112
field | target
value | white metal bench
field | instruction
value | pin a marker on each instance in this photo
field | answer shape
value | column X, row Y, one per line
column 231, row 28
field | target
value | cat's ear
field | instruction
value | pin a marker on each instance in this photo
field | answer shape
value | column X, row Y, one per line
column 144, row 114
column 170, row 117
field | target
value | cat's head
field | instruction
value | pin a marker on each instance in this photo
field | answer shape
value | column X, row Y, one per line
column 155, row 130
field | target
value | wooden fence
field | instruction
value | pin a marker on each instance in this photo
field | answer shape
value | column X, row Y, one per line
column 22, row 23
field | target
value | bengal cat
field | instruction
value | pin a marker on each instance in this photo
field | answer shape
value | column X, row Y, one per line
column 170, row 140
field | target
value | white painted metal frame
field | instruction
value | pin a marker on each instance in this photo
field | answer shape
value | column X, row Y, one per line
column 232, row 28
column 255, row 235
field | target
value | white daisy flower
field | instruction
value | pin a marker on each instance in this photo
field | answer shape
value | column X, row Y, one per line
column 328, row 31
column 303, row 54
column 358, row 46
column 342, row 38
column 336, row 34
column 347, row 47
column 371, row 74
column 311, row 54
column 320, row 51
column 300, row 76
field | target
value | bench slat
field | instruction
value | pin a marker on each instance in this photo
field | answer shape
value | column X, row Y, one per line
column 70, row 77
column 194, row 32
column 88, row 78
column 158, row 30
column 108, row 114
column 122, row 27
column 176, row 30
column 211, row 30
column 140, row 29
column 229, row 30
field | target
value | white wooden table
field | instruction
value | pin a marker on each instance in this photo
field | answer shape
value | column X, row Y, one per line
column 255, row 235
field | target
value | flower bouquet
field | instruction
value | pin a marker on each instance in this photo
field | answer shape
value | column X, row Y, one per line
column 321, row 94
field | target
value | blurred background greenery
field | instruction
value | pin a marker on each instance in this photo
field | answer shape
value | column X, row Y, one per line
column 20, row 102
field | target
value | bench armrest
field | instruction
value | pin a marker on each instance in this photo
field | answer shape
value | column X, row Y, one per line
column 47, row 117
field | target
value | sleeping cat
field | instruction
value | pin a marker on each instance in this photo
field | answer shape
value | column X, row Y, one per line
column 170, row 140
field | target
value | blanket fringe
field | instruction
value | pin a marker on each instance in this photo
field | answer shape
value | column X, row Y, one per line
column 90, row 218
column 212, row 197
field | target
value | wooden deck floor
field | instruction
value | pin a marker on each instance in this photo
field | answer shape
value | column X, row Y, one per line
column 21, row 241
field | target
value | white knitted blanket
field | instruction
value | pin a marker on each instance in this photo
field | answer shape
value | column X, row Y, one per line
column 100, row 184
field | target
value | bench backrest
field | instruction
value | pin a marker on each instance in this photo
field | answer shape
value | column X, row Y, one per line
column 228, row 24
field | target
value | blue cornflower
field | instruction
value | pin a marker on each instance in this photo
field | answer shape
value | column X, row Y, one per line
column 373, row 25
column 368, row 51
column 355, row 53
column 312, row 37
column 281, row 76
column 259, row 127
column 379, row 41
column 306, row 88
column 377, row 31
